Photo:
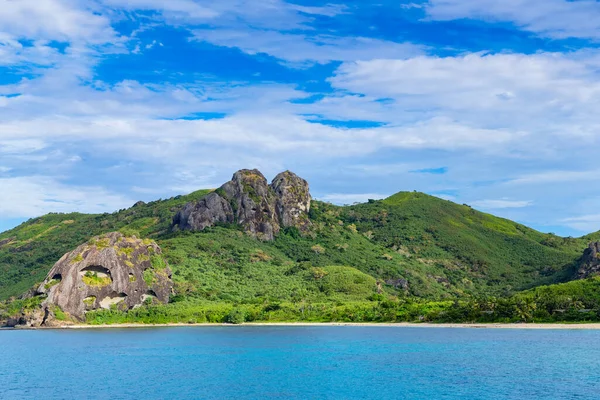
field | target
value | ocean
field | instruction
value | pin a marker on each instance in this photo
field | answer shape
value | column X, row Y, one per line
column 294, row 362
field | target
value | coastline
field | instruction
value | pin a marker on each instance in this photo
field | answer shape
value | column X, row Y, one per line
column 544, row 326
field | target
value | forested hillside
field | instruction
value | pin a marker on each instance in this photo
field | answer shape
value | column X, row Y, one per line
column 412, row 243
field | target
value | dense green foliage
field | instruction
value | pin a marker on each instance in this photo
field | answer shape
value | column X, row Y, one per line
column 474, row 252
column 410, row 257
column 577, row 301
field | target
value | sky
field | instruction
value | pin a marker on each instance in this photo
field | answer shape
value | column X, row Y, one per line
column 491, row 103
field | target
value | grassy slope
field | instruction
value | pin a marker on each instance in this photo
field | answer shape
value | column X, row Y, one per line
column 469, row 248
column 441, row 248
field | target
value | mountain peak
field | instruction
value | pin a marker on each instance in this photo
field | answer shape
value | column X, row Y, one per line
column 248, row 200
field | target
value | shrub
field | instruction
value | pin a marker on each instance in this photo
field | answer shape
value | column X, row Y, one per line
column 236, row 316
column 318, row 249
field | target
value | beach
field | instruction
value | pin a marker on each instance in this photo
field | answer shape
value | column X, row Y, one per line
column 546, row 326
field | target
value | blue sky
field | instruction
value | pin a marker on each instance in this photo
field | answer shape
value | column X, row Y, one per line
column 493, row 103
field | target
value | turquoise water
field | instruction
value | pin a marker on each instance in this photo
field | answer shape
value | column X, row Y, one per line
column 300, row 363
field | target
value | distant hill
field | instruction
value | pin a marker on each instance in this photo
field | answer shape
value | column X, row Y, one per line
column 408, row 245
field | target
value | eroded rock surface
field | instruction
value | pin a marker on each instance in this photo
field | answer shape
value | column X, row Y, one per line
column 589, row 263
column 206, row 212
column 109, row 270
column 247, row 199
column 293, row 200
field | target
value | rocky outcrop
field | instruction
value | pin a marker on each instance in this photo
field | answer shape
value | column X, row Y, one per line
column 4, row 242
column 398, row 283
column 108, row 271
column 293, row 200
column 248, row 200
column 589, row 263
column 209, row 210
column 253, row 203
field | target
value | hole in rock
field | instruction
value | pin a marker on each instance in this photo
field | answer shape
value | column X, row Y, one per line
column 89, row 301
column 55, row 280
column 112, row 299
column 96, row 275
column 150, row 294
column 97, row 269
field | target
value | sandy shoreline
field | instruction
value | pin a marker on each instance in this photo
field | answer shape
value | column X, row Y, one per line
column 591, row 326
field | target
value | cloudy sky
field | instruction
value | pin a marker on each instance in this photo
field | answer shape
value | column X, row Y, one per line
column 493, row 103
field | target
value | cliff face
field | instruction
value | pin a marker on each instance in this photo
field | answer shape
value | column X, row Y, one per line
column 109, row 270
column 247, row 199
column 293, row 200
column 589, row 263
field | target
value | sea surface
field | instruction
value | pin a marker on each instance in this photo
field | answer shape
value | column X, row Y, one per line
column 328, row 362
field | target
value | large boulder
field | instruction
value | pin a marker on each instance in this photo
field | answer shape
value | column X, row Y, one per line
column 248, row 200
column 589, row 263
column 108, row 271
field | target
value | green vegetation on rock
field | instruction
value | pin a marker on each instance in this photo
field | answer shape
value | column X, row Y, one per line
column 93, row 279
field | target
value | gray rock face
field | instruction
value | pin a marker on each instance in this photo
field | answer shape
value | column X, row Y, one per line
column 293, row 200
column 248, row 200
column 589, row 263
column 254, row 203
column 206, row 212
column 109, row 270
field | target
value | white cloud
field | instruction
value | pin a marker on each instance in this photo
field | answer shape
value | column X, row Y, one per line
column 273, row 14
column 31, row 196
column 300, row 48
column 60, row 20
column 443, row 133
column 187, row 9
column 555, row 177
column 544, row 103
column 499, row 82
column 20, row 145
column 12, row 52
column 329, row 10
column 585, row 223
column 501, row 203
column 552, row 18
column 275, row 27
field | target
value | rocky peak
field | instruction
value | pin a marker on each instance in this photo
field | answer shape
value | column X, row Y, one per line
column 589, row 263
column 253, row 203
column 293, row 199
column 109, row 270
column 247, row 199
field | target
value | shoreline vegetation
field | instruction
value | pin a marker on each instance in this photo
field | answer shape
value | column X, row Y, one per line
column 545, row 326
column 576, row 302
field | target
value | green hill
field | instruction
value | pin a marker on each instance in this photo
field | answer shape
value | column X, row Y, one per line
column 413, row 244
